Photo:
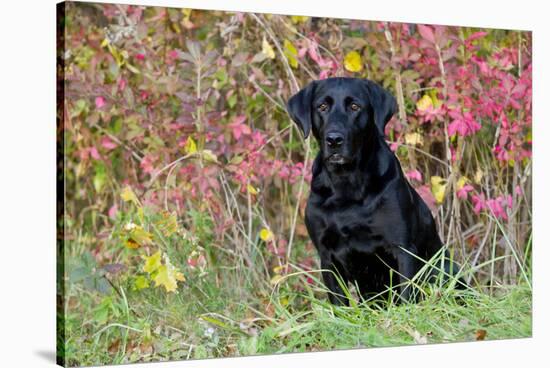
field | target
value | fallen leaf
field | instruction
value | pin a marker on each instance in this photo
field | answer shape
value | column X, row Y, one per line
column 165, row 279
column 114, row 346
column 480, row 334
column 352, row 62
column 168, row 276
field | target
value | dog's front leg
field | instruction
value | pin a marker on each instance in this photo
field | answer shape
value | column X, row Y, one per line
column 406, row 264
column 336, row 293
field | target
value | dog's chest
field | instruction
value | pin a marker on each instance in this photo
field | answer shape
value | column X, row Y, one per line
column 351, row 227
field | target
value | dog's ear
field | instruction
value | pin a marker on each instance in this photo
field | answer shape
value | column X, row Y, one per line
column 299, row 108
column 383, row 104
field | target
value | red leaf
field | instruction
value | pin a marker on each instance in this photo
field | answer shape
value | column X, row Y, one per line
column 107, row 143
column 475, row 36
column 414, row 175
column 94, row 153
column 99, row 102
column 427, row 33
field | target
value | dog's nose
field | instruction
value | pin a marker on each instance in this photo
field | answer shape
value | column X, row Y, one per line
column 334, row 140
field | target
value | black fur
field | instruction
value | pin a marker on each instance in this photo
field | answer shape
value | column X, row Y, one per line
column 362, row 214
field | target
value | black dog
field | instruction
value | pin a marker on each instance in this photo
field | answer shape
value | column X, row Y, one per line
column 362, row 214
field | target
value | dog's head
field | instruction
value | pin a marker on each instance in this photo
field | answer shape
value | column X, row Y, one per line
column 342, row 113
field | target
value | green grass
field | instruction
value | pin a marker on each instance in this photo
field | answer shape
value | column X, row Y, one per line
column 210, row 317
column 238, row 305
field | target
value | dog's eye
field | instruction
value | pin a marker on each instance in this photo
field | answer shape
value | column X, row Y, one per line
column 323, row 107
column 355, row 107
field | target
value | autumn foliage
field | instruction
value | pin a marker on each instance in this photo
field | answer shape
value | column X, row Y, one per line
column 175, row 130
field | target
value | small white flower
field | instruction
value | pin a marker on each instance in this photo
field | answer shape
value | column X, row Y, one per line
column 209, row 332
column 130, row 226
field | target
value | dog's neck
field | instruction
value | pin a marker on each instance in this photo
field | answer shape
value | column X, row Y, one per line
column 353, row 182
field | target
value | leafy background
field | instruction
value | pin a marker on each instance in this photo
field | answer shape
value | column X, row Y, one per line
column 185, row 181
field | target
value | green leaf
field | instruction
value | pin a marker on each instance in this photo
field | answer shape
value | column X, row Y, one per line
column 100, row 176
column 232, row 100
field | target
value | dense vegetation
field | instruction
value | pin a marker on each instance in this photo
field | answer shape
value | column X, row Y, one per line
column 185, row 181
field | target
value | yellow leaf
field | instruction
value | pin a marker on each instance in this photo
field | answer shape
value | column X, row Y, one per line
column 168, row 276
column 141, row 236
column 291, row 53
column 105, row 42
column 279, row 269
column 190, row 146
column 266, row 235
column 128, row 195
column 152, row 263
column 267, row 50
column 275, row 279
column 414, row 139
column 164, row 278
column 295, row 19
column 462, row 182
column 119, row 58
column 424, row 103
column 141, row 282
column 352, row 62
column 438, row 188
column 251, row 189
column 186, row 13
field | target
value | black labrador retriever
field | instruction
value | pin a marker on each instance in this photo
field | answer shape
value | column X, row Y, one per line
column 362, row 214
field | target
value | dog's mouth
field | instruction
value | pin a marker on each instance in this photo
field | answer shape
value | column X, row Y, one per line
column 337, row 159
